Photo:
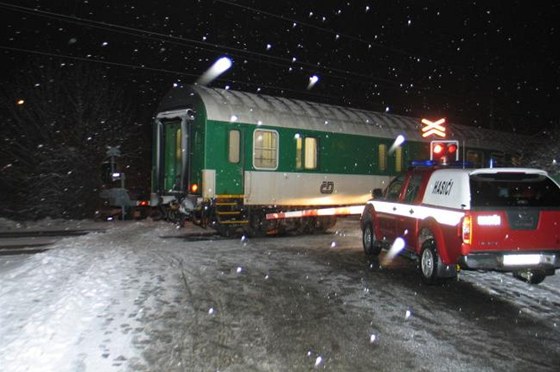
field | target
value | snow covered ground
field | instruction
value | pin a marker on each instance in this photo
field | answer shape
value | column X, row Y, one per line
column 144, row 296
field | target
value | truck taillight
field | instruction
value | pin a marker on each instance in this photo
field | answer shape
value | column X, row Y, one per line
column 466, row 230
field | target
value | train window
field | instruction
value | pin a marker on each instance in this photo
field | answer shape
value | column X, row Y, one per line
column 398, row 159
column 306, row 152
column 310, row 160
column 178, row 158
column 234, row 146
column 299, row 152
column 382, row 157
column 498, row 159
column 265, row 149
column 178, row 145
column 476, row 158
column 516, row 160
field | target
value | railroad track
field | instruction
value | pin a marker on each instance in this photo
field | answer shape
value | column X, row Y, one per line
column 35, row 241
column 42, row 233
column 196, row 236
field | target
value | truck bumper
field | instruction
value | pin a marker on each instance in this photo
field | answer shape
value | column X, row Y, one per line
column 511, row 261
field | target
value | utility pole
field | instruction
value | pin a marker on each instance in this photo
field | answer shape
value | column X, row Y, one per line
column 115, row 152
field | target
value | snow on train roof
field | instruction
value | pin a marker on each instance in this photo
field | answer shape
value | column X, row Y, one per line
column 259, row 109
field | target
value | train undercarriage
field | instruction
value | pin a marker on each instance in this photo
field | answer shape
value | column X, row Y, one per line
column 229, row 216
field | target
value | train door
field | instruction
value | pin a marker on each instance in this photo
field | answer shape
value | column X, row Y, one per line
column 234, row 171
column 172, row 149
column 172, row 157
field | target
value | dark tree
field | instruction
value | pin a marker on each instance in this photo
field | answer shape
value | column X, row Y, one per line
column 58, row 120
column 544, row 153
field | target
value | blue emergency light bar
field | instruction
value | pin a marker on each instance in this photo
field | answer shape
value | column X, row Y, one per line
column 433, row 163
column 423, row 163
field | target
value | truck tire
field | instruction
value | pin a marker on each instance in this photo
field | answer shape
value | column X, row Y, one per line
column 429, row 261
column 531, row 277
column 372, row 247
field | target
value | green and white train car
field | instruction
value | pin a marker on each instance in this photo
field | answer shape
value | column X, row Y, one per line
column 227, row 158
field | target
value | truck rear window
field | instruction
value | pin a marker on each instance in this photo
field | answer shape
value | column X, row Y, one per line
column 513, row 190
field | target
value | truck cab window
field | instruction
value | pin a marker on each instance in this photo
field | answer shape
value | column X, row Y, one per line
column 394, row 189
column 413, row 188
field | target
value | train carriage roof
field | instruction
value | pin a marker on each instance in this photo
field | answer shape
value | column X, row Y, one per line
column 259, row 109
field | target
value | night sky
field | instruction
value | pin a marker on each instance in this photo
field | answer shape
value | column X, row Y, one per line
column 483, row 63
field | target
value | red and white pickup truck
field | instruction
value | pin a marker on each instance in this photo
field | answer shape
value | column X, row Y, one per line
column 501, row 219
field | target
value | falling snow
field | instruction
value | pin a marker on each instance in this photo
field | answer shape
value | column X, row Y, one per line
column 441, row 53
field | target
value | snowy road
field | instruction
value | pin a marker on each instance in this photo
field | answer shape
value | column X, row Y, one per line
column 128, row 299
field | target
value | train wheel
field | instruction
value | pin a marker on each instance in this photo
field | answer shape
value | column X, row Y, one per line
column 156, row 213
column 303, row 226
column 204, row 218
column 257, row 224
column 325, row 223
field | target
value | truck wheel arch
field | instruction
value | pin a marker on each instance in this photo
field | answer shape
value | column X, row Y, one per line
column 429, row 229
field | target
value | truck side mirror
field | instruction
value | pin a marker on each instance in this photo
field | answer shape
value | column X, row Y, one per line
column 377, row 193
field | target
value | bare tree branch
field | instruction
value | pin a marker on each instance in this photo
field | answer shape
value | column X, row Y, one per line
column 53, row 143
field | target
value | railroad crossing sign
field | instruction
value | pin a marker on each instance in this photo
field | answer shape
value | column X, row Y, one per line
column 433, row 128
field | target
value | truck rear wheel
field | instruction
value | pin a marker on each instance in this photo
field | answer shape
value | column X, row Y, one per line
column 372, row 246
column 429, row 261
column 531, row 277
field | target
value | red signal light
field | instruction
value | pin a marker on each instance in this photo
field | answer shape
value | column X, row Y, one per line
column 444, row 151
column 438, row 149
